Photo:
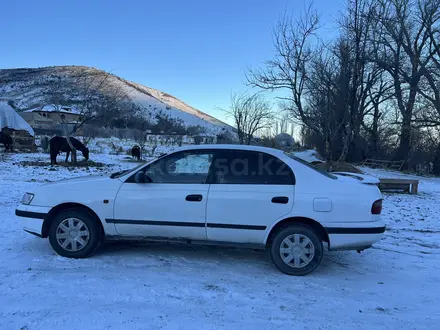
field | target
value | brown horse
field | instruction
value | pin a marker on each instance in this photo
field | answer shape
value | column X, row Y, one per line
column 136, row 152
column 59, row 144
column 7, row 141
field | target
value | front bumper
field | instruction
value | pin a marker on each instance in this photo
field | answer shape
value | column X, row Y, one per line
column 355, row 235
column 32, row 218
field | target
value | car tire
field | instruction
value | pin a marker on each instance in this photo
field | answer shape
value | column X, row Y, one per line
column 75, row 233
column 296, row 250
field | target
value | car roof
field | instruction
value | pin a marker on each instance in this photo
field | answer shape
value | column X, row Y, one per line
column 229, row 147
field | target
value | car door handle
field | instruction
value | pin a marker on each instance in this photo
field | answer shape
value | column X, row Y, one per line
column 194, row 198
column 280, row 200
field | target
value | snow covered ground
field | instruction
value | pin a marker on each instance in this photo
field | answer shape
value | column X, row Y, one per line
column 150, row 286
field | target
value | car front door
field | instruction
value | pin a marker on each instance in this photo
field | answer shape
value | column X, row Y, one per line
column 172, row 205
column 249, row 191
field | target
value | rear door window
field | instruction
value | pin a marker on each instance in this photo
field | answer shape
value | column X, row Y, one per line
column 250, row 167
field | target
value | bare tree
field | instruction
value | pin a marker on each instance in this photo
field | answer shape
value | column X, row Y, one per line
column 97, row 95
column 429, row 116
column 179, row 140
column 141, row 139
column 375, row 115
column 89, row 133
column 317, row 80
column 403, row 48
column 295, row 48
column 280, row 124
column 341, row 81
column 93, row 92
column 359, row 76
column 284, row 121
column 385, row 53
column 251, row 114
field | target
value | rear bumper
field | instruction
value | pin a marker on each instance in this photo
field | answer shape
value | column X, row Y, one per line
column 32, row 218
column 354, row 236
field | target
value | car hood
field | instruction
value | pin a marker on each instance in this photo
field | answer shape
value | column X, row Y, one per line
column 85, row 179
column 83, row 190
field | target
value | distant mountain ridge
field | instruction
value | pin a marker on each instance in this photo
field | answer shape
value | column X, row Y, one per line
column 29, row 87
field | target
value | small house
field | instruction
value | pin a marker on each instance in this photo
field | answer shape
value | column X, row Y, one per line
column 205, row 139
column 58, row 113
column 36, row 120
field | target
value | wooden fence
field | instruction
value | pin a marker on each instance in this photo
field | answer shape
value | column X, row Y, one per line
column 23, row 142
column 385, row 164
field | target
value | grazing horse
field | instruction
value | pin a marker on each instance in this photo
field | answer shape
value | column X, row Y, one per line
column 7, row 141
column 136, row 152
column 59, row 144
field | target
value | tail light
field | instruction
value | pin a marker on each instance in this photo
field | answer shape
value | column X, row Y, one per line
column 376, row 208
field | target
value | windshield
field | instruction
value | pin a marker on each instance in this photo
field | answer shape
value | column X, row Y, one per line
column 134, row 169
column 302, row 161
column 122, row 173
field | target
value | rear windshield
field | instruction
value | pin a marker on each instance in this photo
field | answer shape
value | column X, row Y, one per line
column 302, row 161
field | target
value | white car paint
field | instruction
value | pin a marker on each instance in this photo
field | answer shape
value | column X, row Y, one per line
column 367, row 179
column 245, row 205
column 231, row 213
column 159, row 202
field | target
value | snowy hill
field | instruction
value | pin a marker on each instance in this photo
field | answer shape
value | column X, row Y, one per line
column 30, row 88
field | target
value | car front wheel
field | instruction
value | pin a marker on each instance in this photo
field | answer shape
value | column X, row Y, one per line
column 296, row 250
column 74, row 233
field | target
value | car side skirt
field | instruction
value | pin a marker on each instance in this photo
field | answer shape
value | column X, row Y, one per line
column 155, row 239
column 185, row 224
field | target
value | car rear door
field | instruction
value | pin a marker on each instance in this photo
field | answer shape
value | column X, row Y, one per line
column 172, row 205
column 249, row 191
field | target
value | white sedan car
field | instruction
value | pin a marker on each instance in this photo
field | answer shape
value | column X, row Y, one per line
column 241, row 195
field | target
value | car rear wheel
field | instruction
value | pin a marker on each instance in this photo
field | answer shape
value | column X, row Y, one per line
column 296, row 250
column 74, row 233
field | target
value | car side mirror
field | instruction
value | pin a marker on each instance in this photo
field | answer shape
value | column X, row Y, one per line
column 172, row 168
column 140, row 177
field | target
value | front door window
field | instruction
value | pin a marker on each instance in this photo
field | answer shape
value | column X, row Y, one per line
column 181, row 167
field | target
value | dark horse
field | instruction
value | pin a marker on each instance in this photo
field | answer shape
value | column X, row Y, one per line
column 136, row 152
column 6, row 140
column 59, row 144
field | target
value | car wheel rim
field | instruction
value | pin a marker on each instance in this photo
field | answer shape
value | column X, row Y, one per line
column 72, row 234
column 297, row 250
